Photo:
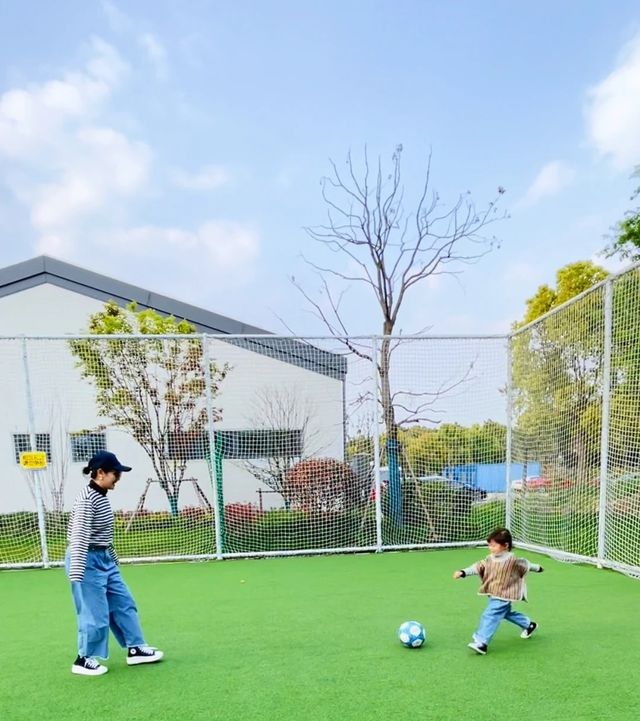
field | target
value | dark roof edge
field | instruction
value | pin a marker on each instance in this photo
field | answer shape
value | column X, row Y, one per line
column 44, row 269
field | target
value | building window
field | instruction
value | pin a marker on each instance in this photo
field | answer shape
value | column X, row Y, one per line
column 243, row 444
column 86, row 444
column 261, row 443
column 187, row 446
column 22, row 444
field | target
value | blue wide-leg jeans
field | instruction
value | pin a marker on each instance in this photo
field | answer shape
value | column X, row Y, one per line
column 496, row 611
column 103, row 602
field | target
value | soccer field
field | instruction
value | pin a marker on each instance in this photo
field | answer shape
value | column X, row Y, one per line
column 314, row 639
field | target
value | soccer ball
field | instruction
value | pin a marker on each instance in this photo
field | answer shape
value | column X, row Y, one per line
column 412, row 634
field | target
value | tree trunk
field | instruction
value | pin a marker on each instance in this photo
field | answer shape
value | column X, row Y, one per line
column 392, row 444
column 172, row 492
column 173, row 501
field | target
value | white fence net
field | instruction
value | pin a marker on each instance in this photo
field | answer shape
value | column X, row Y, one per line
column 253, row 445
column 557, row 393
column 620, row 528
column 575, row 401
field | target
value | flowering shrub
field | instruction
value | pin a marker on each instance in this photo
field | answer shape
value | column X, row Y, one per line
column 236, row 514
column 195, row 514
column 324, row 484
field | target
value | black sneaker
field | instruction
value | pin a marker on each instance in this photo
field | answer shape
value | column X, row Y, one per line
column 480, row 648
column 143, row 654
column 88, row 666
column 529, row 630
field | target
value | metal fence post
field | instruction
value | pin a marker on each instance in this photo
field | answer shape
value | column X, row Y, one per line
column 376, row 443
column 606, row 405
column 508, row 458
column 213, row 460
column 35, row 475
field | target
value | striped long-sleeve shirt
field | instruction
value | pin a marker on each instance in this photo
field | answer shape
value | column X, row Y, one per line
column 91, row 523
column 503, row 576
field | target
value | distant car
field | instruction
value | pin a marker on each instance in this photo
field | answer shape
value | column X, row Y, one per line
column 433, row 479
column 478, row 494
column 535, row 483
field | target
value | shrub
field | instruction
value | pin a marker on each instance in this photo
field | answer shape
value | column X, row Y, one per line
column 144, row 520
column 22, row 522
column 194, row 515
column 239, row 514
column 324, row 485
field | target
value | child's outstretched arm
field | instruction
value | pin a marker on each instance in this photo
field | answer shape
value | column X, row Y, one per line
column 471, row 571
column 525, row 566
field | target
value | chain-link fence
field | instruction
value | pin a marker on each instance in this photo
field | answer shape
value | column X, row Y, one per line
column 254, row 445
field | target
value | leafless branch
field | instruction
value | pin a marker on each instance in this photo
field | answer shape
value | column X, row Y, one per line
column 391, row 249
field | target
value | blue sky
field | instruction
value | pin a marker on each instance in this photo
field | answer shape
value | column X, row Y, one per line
column 180, row 148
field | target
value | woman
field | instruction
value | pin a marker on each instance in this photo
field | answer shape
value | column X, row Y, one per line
column 101, row 597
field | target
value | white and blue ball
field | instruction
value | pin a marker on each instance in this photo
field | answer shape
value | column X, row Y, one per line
column 412, row 634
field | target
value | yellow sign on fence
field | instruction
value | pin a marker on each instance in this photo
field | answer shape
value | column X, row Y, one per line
column 33, row 460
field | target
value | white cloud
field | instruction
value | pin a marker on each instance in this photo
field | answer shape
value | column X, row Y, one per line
column 33, row 118
column 212, row 261
column 156, row 54
column 613, row 110
column 58, row 246
column 222, row 244
column 154, row 49
column 118, row 20
column 552, row 178
column 58, row 160
column 77, row 177
column 210, row 177
column 209, row 263
column 103, row 167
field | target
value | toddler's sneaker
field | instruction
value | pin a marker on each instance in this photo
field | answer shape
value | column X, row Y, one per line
column 88, row 666
column 478, row 647
column 143, row 654
column 529, row 630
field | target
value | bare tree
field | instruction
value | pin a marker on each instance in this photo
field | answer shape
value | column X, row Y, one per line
column 54, row 476
column 391, row 251
column 286, row 411
column 57, row 470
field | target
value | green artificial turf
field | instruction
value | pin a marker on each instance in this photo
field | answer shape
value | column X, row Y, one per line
column 314, row 639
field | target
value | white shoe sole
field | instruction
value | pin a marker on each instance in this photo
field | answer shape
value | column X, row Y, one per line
column 473, row 647
column 80, row 671
column 137, row 660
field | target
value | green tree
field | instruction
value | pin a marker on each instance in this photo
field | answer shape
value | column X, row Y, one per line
column 557, row 372
column 428, row 451
column 153, row 388
column 625, row 242
column 624, row 434
column 571, row 280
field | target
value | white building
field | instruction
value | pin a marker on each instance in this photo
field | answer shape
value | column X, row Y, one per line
column 43, row 392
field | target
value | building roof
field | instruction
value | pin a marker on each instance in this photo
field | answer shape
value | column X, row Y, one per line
column 45, row 270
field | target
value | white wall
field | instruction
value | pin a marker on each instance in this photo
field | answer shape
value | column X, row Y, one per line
column 63, row 402
column 46, row 310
